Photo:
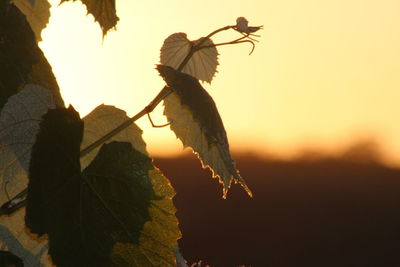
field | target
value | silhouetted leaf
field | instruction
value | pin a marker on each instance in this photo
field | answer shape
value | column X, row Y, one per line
column 102, row 120
column 119, row 206
column 8, row 259
column 22, row 62
column 37, row 13
column 195, row 120
column 18, row 50
column 203, row 63
column 103, row 11
column 54, row 162
column 42, row 74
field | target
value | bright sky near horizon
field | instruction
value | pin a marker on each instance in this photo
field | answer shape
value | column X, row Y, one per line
column 324, row 74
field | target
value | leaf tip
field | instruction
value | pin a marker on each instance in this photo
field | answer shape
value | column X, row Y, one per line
column 238, row 179
column 226, row 183
column 247, row 189
column 224, row 192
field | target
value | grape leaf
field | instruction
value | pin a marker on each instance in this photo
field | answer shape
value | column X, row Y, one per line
column 18, row 50
column 103, row 11
column 196, row 122
column 37, row 13
column 22, row 62
column 159, row 235
column 202, row 65
column 54, row 160
column 102, row 120
column 119, row 203
column 12, row 231
column 19, row 124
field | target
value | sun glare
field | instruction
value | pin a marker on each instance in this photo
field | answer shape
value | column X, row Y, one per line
column 322, row 74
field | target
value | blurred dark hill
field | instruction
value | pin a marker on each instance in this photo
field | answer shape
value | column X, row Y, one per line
column 320, row 212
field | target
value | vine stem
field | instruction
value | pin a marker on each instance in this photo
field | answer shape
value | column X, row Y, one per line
column 149, row 108
column 19, row 200
column 153, row 104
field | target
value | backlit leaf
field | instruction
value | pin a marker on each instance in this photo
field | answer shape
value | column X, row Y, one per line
column 203, row 63
column 37, row 13
column 103, row 11
column 196, row 122
column 159, row 235
column 120, row 202
column 102, row 120
column 19, row 124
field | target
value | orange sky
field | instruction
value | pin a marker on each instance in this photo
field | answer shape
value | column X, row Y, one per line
column 325, row 73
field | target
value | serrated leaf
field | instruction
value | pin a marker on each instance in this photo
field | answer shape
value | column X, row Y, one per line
column 120, row 202
column 196, row 122
column 19, row 124
column 202, row 65
column 37, row 13
column 103, row 11
column 102, row 120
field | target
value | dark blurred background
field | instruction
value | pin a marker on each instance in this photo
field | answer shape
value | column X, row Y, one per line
column 311, row 211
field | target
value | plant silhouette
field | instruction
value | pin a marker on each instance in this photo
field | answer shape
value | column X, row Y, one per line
column 97, row 199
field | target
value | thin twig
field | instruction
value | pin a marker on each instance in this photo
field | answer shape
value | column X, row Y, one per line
column 230, row 43
column 154, row 125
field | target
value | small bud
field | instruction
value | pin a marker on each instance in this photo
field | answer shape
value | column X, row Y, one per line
column 242, row 25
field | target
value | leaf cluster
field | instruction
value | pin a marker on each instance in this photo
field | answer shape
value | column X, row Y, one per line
column 86, row 188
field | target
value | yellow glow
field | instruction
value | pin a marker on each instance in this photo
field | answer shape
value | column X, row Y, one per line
column 324, row 72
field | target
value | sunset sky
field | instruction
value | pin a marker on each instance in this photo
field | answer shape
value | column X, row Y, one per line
column 325, row 74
